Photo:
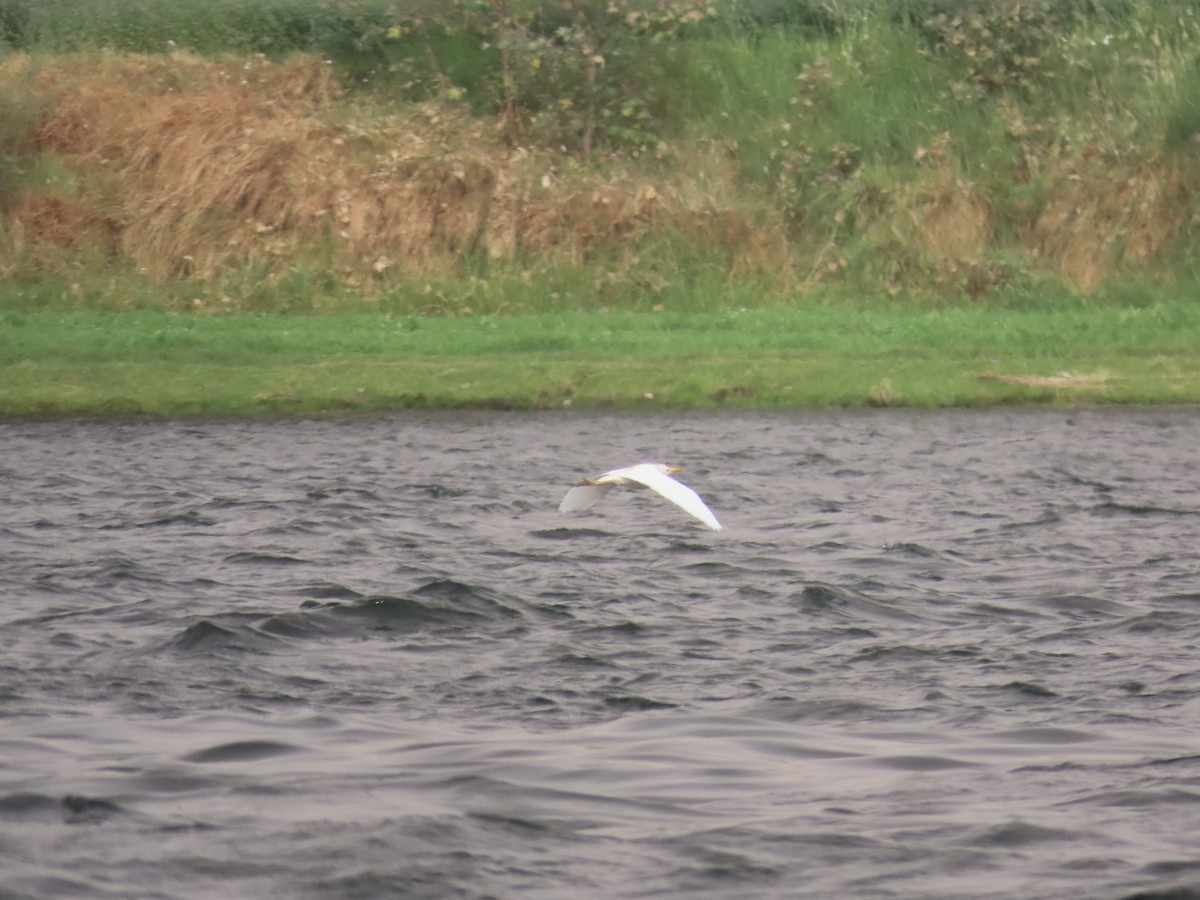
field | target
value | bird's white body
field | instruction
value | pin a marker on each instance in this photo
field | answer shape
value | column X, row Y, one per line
column 655, row 476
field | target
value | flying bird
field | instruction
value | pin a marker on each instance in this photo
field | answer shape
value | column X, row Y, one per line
column 655, row 476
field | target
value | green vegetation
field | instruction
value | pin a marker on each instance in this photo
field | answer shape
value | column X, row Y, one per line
column 164, row 363
column 541, row 202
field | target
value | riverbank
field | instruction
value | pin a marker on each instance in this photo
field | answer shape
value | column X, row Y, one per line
column 174, row 364
column 314, row 205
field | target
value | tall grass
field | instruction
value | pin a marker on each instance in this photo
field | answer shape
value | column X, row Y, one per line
column 150, row 26
column 312, row 155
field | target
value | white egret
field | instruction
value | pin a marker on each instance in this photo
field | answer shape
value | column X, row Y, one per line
column 655, row 476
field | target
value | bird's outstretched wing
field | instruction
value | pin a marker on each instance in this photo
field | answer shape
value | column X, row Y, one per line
column 679, row 494
column 584, row 496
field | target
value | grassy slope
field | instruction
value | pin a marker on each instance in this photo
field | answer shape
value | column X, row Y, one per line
column 832, row 216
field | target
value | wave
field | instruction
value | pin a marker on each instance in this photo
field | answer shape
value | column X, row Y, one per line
column 437, row 604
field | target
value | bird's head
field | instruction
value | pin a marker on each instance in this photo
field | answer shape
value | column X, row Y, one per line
column 671, row 470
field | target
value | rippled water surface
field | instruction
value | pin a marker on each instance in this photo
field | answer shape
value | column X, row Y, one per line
column 933, row 654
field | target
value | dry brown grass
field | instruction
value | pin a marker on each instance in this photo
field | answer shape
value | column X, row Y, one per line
column 935, row 228
column 1102, row 216
column 1062, row 381
column 948, row 223
column 1096, row 219
column 190, row 166
column 185, row 162
column 951, row 217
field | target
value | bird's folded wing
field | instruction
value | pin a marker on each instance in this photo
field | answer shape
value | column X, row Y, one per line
column 583, row 496
column 679, row 494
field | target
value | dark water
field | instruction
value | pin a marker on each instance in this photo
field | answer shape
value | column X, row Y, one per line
column 932, row 655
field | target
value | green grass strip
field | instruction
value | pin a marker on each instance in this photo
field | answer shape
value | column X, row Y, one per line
column 175, row 364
